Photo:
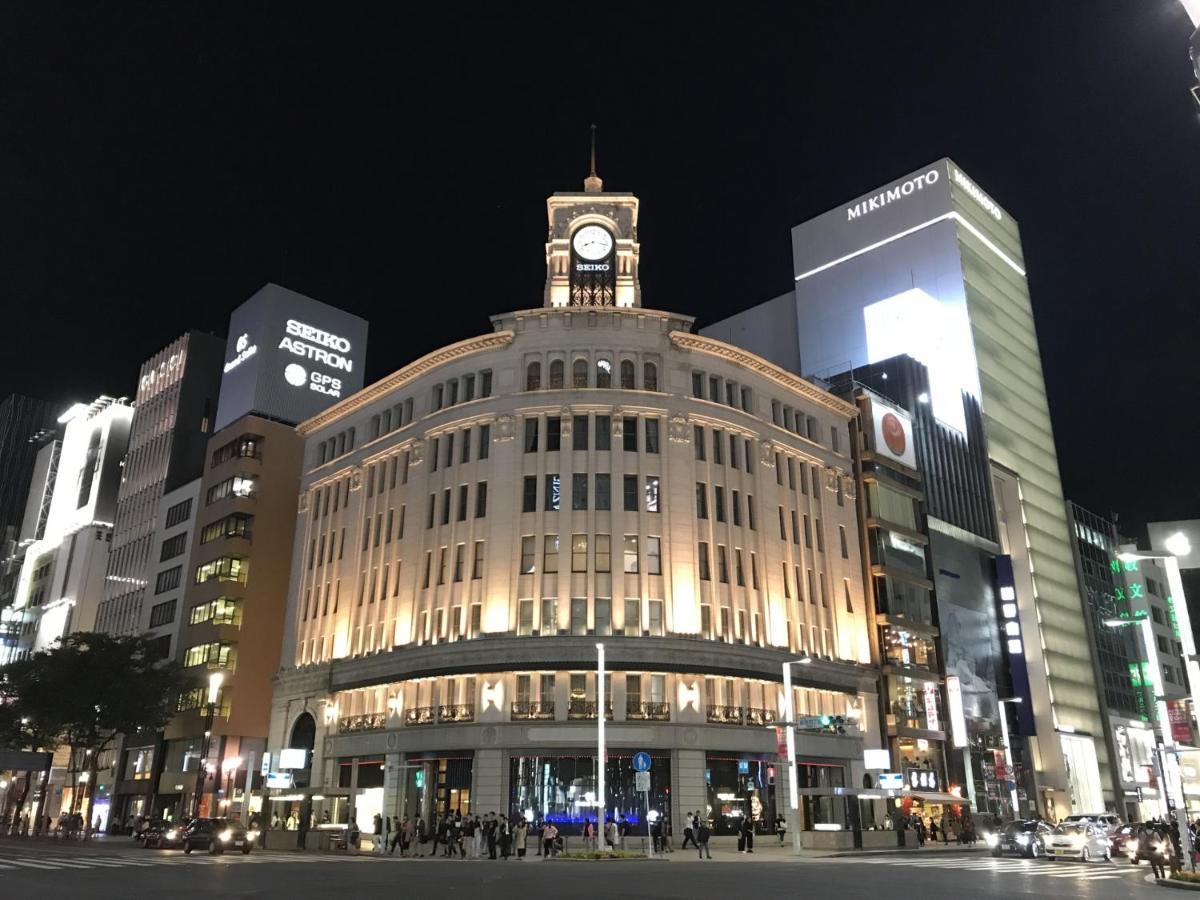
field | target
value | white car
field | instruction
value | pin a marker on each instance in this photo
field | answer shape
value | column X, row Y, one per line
column 1083, row 841
column 1108, row 821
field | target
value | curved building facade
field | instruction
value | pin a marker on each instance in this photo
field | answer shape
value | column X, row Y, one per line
column 589, row 471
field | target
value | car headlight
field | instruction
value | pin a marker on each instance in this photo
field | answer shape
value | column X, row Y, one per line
column 252, row 836
column 171, row 835
column 1022, row 838
column 226, row 835
column 991, row 839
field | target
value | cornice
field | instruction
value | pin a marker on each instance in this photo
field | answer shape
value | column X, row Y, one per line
column 401, row 377
column 729, row 353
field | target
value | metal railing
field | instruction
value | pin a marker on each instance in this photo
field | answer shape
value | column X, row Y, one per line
column 648, row 711
column 755, row 716
column 528, row 709
column 419, row 715
column 724, row 715
column 365, row 722
column 456, row 712
column 586, row 709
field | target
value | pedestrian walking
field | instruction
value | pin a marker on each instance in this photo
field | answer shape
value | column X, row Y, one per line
column 747, row 834
column 933, row 830
column 549, row 837
column 702, row 836
column 689, row 836
column 491, row 835
column 780, row 828
column 612, row 835
column 376, row 833
column 1148, row 847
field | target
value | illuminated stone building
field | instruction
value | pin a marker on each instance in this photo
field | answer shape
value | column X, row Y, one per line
column 588, row 471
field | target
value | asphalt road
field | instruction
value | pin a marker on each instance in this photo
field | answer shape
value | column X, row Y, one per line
column 38, row 870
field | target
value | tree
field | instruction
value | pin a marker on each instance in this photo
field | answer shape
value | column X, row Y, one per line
column 92, row 688
column 27, row 723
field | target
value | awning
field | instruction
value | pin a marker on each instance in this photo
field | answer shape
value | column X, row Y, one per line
column 882, row 794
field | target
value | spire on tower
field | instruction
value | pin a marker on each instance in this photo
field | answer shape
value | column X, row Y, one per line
column 593, row 184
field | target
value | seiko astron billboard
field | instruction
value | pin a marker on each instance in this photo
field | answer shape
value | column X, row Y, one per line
column 288, row 357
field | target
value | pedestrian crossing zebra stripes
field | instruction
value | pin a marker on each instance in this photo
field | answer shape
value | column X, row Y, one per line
column 1038, row 868
column 34, row 860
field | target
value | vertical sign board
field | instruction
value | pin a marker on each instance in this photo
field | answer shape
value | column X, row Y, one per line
column 1014, row 654
column 958, row 720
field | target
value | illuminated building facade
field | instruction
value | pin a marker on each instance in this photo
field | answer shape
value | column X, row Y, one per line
column 930, row 266
column 471, row 526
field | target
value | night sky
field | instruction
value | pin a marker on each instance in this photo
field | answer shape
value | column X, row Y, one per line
column 160, row 161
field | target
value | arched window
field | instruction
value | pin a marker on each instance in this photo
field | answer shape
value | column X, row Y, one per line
column 604, row 373
column 628, row 376
column 533, row 376
column 650, row 377
column 556, row 374
column 304, row 733
column 579, row 373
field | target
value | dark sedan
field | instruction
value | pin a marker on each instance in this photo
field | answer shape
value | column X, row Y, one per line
column 161, row 835
column 217, row 835
column 1023, row 838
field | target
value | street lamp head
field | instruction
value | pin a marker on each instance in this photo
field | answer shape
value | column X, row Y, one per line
column 1128, row 556
column 1119, row 623
column 1012, row 699
column 1178, row 544
column 214, row 685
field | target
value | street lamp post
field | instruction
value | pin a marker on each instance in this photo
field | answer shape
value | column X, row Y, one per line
column 601, row 797
column 789, row 716
column 1008, row 757
column 214, row 689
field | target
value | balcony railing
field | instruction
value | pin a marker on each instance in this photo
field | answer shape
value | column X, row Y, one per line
column 586, row 709
column 724, row 715
column 760, row 716
column 366, row 722
column 419, row 715
column 527, row 709
column 648, row 711
column 456, row 712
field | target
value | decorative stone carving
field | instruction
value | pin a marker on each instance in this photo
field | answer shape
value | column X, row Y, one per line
column 328, row 747
column 505, row 429
column 356, row 479
column 416, row 453
column 392, row 741
column 831, row 479
column 766, row 454
column 690, row 737
column 488, row 736
column 680, row 431
column 565, row 423
column 618, row 424
column 303, row 505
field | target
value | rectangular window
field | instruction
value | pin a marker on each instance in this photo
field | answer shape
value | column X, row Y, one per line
column 633, row 618
column 603, row 553
column 435, row 447
column 629, row 435
column 579, row 552
column 579, row 433
column 698, row 442
column 722, row 564
column 652, row 493
column 651, row 435
column 747, row 455
column 525, row 617
column 701, row 500
column 736, row 503
column 603, row 616
column 168, row 579
column 719, row 502
column 754, row 571
column 528, row 554
column 529, row 494
column 162, row 613
column 824, row 595
column 698, row 385
column 428, row 566
column 705, row 574
column 458, row 562
column 807, row 531
column 465, row 455
column 751, row 515
column 531, row 434
column 738, row 572
column 553, row 496
column 174, row 546
column 480, row 499
column 654, row 625
column 718, row 443
column 631, row 553
column 787, row 585
column 180, row 512
column 550, row 553
column 842, row 540
column 485, row 441
column 603, row 433
column 603, row 491
column 462, row 504
column 553, row 433
column 443, row 562
column 477, row 567
column 579, row 615
column 630, row 489
column 714, row 389
column 846, row 594
column 820, row 536
column 654, row 555
column 549, row 616
column 450, row 449
column 579, row 491
column 485, row 383
column 446, row 506
column 782, row 525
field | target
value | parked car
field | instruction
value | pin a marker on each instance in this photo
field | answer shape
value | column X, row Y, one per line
column 160, row 834
column 1084, row 841
column 217, row 835
column 1026, row 838
column 1108, row 821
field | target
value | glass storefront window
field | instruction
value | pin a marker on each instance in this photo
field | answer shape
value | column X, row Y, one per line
column 739, row 787
column 819, row 810
column 559, row 789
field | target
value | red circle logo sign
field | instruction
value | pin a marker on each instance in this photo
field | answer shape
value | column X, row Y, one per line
column 893, row 434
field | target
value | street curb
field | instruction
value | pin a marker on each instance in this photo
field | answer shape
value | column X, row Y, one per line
column 902, row 852
column 1176, row 885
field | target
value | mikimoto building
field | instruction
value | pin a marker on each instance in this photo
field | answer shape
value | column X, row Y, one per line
column 588, row 471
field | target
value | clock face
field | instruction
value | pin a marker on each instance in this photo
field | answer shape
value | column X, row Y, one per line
column 592, row 242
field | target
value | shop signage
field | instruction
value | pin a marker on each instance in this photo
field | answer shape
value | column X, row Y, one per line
column 932, row 721
column 890, row 195
column 292, row 758
column 641, row 781
column 781, row 743
column 891, row 780
column 958, row 719
column 988, row 204
column 279, row 779
column 999, row 766
column 265, row 770
column 641, row 761
column 1181, row 721
column 893, row 434
column 244, row 350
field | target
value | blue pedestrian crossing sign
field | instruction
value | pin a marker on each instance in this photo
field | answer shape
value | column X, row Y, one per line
column 641, row 761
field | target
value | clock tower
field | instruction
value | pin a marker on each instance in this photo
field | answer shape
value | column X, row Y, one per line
column 592, row 247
